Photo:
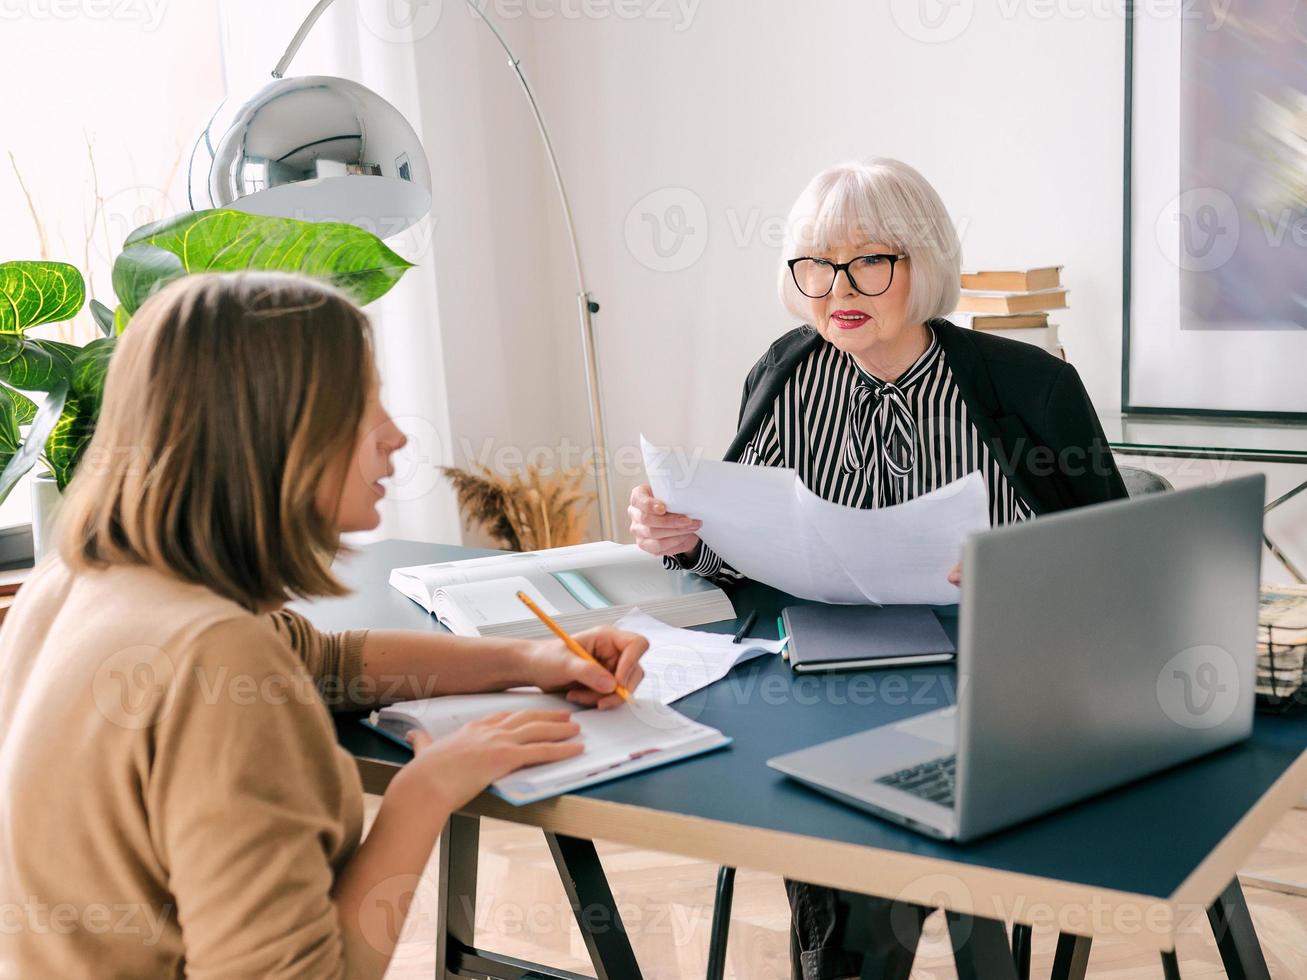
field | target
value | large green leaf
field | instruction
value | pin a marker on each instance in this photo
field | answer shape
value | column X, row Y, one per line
column 15, row 410
column 21, row 459
column 20, row 407
column 35, row 365
column 32, row 293
column 81, row 411
column 69, row 437
column 355, row 260
column 103, row 317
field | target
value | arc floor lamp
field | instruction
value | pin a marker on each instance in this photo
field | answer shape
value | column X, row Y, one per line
column 323, row 148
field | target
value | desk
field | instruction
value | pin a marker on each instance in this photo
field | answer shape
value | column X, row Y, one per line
column 1136, row 862
column 1198, row 438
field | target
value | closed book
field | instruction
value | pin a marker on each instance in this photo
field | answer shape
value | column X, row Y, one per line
column 1046, row 337
column 848, row 637
column 1007, row 303
column 1014, row 280
column 1017, row 321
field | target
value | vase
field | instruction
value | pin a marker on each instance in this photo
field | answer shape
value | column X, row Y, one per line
column 46, row 499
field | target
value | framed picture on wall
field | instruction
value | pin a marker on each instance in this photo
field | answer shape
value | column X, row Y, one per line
column 1215, row 244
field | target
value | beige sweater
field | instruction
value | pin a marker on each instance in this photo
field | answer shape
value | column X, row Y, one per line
column 172, row 798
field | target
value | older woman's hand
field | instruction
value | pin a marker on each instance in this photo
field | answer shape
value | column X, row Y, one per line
column 657, row 531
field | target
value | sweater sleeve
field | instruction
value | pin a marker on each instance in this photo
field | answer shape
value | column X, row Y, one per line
column 248, row 801
column 333, row 660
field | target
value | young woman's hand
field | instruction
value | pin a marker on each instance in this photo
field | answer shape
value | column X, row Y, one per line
column 657, row 531
column 955, row 574
column 454, row 769
column 553, row 667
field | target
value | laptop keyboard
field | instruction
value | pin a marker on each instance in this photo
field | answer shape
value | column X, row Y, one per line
column 932, row 780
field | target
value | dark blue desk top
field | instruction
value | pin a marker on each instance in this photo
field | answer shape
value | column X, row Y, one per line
column 1157, row 831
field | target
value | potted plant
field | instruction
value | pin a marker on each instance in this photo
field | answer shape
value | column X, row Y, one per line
column 72, row 377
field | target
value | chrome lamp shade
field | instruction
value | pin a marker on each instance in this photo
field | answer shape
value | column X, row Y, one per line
column 316, row 148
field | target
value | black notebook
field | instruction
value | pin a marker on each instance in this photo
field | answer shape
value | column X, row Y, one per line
column 844, row 637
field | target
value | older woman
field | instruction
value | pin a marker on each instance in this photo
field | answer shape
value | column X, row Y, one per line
column 877, row 399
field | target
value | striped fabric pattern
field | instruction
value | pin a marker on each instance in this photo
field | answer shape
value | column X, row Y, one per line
column 859, row 441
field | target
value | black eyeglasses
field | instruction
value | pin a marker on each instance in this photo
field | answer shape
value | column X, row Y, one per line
column 870, row 275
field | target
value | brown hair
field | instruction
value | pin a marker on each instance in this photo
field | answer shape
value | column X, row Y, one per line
column 229, row 401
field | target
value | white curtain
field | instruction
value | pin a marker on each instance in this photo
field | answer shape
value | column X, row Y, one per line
column 375, row 48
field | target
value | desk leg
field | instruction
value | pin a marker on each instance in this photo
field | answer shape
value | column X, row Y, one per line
column 1235, row 937
column 721, row 924
column 592, row 904
column 1271, row 545
column 456, row 916
column 1022, row 936
column 980, row 948
column 1170, row 966
column 1071, row 959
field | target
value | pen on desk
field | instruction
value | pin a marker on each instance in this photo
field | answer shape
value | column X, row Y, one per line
column 748, row 625
column 568, row 642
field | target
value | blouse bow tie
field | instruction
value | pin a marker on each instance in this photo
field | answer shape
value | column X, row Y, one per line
column 879, row 415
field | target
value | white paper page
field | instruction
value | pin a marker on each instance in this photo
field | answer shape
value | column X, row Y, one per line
column 751, row 518
column 612, row 739
column 680, row 662
column 496, row 601
column 443, row 715
column 903, row 553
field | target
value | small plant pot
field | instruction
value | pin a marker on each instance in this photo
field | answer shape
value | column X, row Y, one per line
column 46, row 500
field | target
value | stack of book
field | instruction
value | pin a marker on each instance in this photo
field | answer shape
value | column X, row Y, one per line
column 1015, row 304
column 1282, row 643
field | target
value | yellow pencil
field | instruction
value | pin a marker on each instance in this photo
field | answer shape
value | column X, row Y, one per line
column 570, row 643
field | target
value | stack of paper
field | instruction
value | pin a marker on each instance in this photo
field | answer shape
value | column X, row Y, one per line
column 767, row 525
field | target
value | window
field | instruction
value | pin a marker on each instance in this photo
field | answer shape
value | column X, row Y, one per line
column 101, row 103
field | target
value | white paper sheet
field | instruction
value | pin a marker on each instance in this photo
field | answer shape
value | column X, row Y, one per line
column 680, row 662
column 766, row 524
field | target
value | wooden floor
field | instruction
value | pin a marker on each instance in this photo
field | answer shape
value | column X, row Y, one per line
column 666, row 902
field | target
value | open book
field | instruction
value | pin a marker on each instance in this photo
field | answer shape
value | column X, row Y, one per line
column 581, row 586
column 638, row 735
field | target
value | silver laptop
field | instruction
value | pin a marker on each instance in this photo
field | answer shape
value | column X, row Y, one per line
column 1095, row 646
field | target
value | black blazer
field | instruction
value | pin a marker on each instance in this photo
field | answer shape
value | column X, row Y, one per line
column 1029, row 406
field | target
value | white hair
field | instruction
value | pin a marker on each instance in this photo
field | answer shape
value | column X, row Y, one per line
column 879, row 200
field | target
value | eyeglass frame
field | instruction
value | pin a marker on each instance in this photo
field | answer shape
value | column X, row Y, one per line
column 839, row 267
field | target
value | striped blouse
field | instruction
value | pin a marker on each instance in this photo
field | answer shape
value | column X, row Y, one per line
column 862, row 442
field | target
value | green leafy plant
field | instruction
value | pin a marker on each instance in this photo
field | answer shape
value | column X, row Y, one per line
column 33, row 294
column 36, row 293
